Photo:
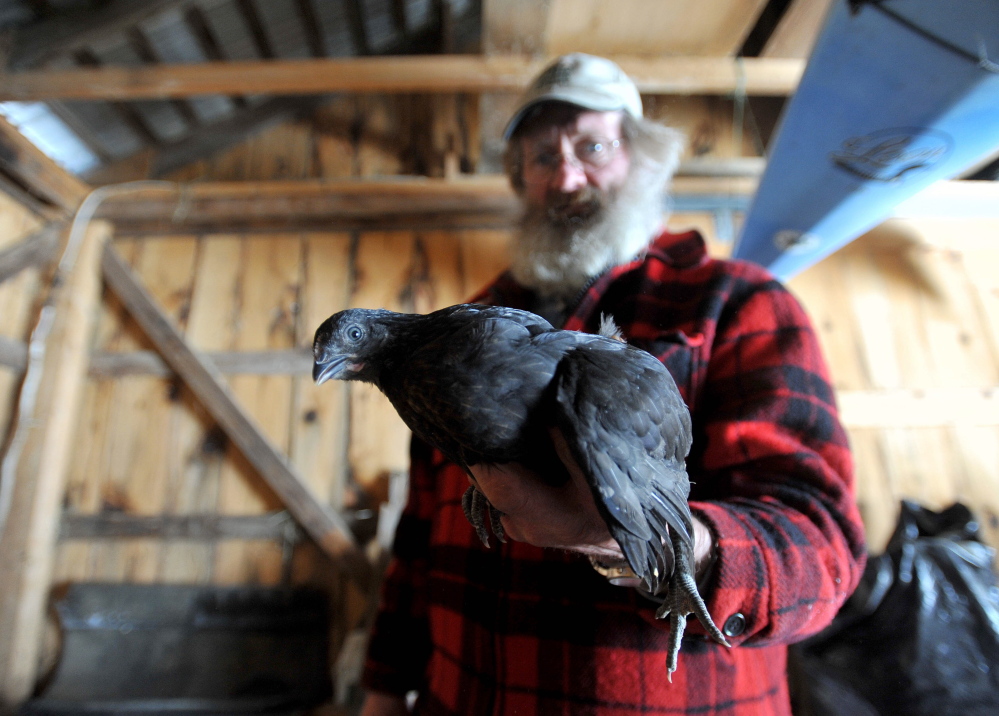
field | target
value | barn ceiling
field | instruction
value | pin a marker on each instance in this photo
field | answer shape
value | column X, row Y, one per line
column 86, row 135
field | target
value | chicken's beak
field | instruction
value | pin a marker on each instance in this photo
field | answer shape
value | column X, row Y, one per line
column 326, row 369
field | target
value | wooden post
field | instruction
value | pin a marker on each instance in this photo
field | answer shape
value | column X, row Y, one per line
column 27, row 545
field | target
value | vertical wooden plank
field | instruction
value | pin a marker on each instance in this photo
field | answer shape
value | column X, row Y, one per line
column 956, row 338
column 167, row 270
column 484, row 255
column 379, row 439
column 107, row 559
column 320, row 424
column 877, row 501
column 137, row 473
column 823, row 293
column 873, row 314
column 377, row 123
column 198, row 446
column 438, row 280
column 27, row 556
column 981, row 265
column 319, row 438
column 268, row 298
column 80, row 560
column 336, row 155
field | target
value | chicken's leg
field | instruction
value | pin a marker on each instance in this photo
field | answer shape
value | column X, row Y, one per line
column 683, row 599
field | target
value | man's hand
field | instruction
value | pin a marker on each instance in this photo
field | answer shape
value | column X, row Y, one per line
column 378, row 704
column 564, row 517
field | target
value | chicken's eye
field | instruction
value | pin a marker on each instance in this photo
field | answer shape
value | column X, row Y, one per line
column 354, row 333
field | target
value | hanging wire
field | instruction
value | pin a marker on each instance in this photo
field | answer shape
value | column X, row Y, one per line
column 24, row 419
column 981, row 59
column 739, row 105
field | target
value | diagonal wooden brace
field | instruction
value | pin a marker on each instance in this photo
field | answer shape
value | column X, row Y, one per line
column 321, row 522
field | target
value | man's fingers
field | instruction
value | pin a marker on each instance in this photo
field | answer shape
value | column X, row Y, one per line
column 565, row 454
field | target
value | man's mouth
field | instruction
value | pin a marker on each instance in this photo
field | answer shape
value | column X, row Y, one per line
column 574, row 208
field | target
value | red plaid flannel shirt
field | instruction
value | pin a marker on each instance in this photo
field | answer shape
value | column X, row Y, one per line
column 520, row 630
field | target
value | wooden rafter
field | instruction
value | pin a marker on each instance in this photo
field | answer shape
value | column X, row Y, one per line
column 413, row 74
column 295, row 203
column 35, row 249
column 320, row 521
column 25, row 166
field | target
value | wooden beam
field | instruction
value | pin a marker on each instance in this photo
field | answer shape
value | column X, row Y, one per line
column 26, row 198
column 35, row 249
column 297, row 361
column 413, row 74
column 296, row 204
column 320, row 521
column 278, row 526
column 320, row 205
column 28, row 547
column 27, row 166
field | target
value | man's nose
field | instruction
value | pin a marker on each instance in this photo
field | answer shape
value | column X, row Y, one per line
column 570, row 175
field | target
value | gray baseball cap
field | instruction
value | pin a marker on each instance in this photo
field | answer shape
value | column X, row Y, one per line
column 586, row 81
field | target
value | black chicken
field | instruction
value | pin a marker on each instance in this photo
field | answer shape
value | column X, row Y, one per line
column 484, row 384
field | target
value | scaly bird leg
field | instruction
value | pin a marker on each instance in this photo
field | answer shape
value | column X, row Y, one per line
column 681, row 600
column 476, row 507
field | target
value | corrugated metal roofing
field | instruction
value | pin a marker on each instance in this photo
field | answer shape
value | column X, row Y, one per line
column 83, row 135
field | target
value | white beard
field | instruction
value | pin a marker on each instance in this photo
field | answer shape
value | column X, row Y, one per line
column 557, row 258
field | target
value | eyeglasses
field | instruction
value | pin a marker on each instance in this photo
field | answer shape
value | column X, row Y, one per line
column 587, row 153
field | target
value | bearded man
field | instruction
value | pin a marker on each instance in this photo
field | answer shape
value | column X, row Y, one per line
column 530, row 626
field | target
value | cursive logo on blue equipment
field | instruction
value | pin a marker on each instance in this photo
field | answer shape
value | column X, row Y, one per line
column 891, row 154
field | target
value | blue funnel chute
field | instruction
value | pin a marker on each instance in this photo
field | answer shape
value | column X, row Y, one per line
column 897, row 94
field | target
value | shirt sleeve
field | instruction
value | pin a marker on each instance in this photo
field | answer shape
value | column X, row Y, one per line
column 772, row 474
column 400, row 646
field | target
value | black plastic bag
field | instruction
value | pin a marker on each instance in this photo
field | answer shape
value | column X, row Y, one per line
column 919, row 636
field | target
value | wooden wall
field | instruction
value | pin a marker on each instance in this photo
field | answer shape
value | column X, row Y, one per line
column 909, row 319
column 905, row 314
